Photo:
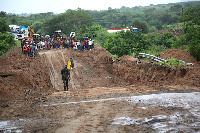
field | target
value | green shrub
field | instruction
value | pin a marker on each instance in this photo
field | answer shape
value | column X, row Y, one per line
column 173, row 62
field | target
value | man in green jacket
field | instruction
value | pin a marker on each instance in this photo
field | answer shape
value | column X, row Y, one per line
column 65, row 77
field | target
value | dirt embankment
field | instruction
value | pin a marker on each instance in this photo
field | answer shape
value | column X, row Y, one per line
column 155, row 75
column 177, row 32
column 178, row 54
column 23, row 78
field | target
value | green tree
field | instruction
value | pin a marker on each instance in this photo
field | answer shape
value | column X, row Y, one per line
column 141, row 25
column 71, row 20
column 37, row 26
column 125, row 43
column 176, row 8
column 3, row 25
column 165, row 40
column 149, row 14
column 6, row 40
column 191, row 19
column 2, row 14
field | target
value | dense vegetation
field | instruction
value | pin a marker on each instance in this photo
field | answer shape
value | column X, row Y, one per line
column 147, row 19
column 6, row 40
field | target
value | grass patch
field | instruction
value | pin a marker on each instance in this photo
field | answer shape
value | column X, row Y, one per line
column 18, row 43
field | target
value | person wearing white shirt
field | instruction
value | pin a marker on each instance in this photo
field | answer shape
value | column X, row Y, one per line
column 90, row 44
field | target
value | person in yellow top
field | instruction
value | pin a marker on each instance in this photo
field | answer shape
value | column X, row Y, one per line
column 69, row 65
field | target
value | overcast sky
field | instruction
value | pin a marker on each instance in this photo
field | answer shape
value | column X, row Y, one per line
column 60, row 6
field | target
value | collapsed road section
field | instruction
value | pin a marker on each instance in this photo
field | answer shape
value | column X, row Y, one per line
column 105, row 95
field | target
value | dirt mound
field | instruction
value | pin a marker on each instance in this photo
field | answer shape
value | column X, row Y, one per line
column 100, row 54
column 155, row 75
column 14, row 50
column 93, row 68
column 178, row 54
column 128, row 58
column 177, row 32
column 22, row 77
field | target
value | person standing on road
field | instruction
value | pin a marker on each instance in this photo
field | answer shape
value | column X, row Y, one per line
column 22, row 44
column 90, row 44
column 69, row 64
column 58, row 45
column 72, row 63
column 65, row 72
column 67, row 43
column 32, row 50
column 29, row 51
column 61, row 44
column 25, row 49
column 43, row 45
column 81, row 45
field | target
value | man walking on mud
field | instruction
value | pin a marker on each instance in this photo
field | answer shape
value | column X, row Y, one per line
column 65, row 72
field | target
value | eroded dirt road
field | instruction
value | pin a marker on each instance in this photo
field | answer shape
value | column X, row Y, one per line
column 98, row 101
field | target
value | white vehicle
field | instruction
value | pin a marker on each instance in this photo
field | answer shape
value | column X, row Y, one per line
column 14, row 28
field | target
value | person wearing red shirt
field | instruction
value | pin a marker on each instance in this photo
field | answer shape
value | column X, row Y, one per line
column 29, row 51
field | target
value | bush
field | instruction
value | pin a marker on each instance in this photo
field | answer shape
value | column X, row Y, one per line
column 125, row 43
column 6, row 42
column 191, row 19
column 3, row 25
column 173, row 62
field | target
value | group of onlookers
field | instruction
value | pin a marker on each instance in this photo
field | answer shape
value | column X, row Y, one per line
column 30, row 47
column 66, row 43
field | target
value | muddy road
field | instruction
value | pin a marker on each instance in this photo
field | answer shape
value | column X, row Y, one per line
column 99, row 101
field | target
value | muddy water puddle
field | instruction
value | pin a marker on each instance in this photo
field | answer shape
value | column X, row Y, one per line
column 187, row 121
column 176, row 121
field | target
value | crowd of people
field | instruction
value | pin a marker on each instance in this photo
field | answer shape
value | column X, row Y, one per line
column 30, row 48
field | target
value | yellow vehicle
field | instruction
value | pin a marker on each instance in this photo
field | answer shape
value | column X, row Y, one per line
column 36, row 37
column 33, row 36
column 31, row 32
column 58, row 35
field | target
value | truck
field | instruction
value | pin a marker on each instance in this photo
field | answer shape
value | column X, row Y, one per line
column 14, row 28
column 133, row 29
column 23, row 33
column 33, row 36
column 36, row 37
column 58, row 35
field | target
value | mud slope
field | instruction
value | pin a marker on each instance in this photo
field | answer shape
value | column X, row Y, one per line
column 154, row 74
column 178, row 54
column 22, row 78
column 103, row 96
column 93, row 68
